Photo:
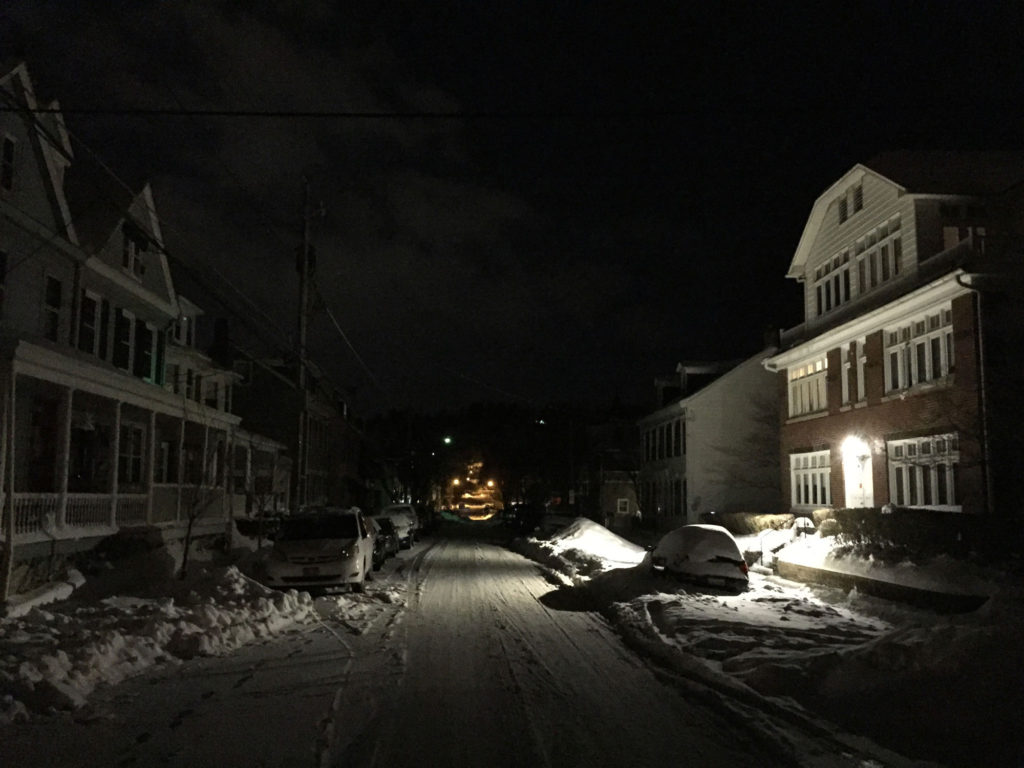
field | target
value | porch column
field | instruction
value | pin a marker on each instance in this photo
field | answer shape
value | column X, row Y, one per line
column 181, row 468
column 115, row 455
column 151, row 467
column 228, row 485
column 63, row 456
column 7, row 463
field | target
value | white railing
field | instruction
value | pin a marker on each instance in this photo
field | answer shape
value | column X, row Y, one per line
column 38, row 514
column 87, row 509
column 31, row 511
column 131, row 509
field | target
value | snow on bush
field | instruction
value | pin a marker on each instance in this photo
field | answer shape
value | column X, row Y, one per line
column 53, row 659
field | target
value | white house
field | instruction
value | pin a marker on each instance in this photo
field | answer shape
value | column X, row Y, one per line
column 95, row 436
column 712, row 447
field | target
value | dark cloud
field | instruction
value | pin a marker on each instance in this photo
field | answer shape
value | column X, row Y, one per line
column 634, row 199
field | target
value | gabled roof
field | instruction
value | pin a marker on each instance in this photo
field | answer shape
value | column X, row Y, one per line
column 927, row 172
column 50, row 135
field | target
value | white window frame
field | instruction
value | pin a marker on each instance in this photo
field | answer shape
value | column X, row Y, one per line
column 808, row 392
column 919, row 351
column 129, row 316
column 97, row 324
column 833, row 283
column 879, row 256
column 622, row 506
column 131, row 255
column 128, row 460
column 923, row 471
column 810, row 476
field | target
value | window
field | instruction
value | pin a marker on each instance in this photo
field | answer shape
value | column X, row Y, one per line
column 920, row 350
column 133, row 244
column 847, row 368
column 844, row 212
column 832, row 283
column 129, row 460
column 810, row 477
column 213, row 394
column 858, row 198
column 52, row 303
column 677, row 429
column 923, row 471
column 622, row 506
column 7, row 164
column 124, row 331
column 879, row 255
column 144, row 358
column 807, row 387
column 862, row 361
column 89, row 323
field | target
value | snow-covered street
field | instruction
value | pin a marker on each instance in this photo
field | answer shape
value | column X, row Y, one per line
column 463, row 652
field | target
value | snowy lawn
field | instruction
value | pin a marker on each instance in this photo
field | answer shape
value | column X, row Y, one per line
column 945, row 688
column 54, row 654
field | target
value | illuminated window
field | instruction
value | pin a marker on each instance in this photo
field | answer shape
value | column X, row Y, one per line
column 807, row 393
column 810, row 477
column 924, row 471
column 920, row 350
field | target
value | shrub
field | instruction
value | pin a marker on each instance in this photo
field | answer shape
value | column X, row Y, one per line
column 828, row 527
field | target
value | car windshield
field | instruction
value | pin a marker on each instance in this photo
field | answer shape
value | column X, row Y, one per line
column 385, row 524
column 326, row 527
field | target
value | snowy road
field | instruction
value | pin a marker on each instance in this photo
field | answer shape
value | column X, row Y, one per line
column 491, row 675
column 460, row 653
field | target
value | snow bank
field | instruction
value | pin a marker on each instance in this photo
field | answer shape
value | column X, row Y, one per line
column 582, row 549
column 923, row 684
column 53, row 659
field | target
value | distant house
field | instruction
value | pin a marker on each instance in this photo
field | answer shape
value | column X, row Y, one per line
column 96, row 436
column 710, row 446
column 898, row 388
column 313, row 421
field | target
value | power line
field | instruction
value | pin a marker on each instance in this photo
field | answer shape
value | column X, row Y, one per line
column 332, row 114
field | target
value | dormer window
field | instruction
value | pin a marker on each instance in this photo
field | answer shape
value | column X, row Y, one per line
column 851, row 202
column 133, row 245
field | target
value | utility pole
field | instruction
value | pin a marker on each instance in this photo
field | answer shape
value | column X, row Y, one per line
column 305, row 275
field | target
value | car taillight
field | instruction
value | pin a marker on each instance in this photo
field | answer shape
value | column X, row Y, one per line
column 743, row 567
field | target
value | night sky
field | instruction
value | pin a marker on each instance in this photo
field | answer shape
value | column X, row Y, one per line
column 571, row 198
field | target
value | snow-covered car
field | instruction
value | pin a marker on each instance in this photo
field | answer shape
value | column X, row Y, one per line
column 330, row 547
column 405, row 521
column 704, row 553
column 385, row 540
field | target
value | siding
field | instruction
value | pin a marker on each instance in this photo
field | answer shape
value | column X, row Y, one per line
column 882, row 200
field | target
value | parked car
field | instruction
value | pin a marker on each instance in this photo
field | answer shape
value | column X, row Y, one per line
column 320, row 549
column 405, row 520
column 385, row 542
column 704, row 553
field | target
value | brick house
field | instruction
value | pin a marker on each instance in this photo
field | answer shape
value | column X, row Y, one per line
column 885, row 389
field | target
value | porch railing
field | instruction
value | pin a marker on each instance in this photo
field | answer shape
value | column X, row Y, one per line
column 38, row 513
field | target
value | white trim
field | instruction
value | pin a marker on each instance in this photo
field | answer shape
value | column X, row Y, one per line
column 923, row 299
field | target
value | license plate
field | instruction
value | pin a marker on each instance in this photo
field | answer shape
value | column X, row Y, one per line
column 311, row 571
column 716, row 581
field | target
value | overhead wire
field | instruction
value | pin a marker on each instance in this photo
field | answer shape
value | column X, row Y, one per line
column 165, row 222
